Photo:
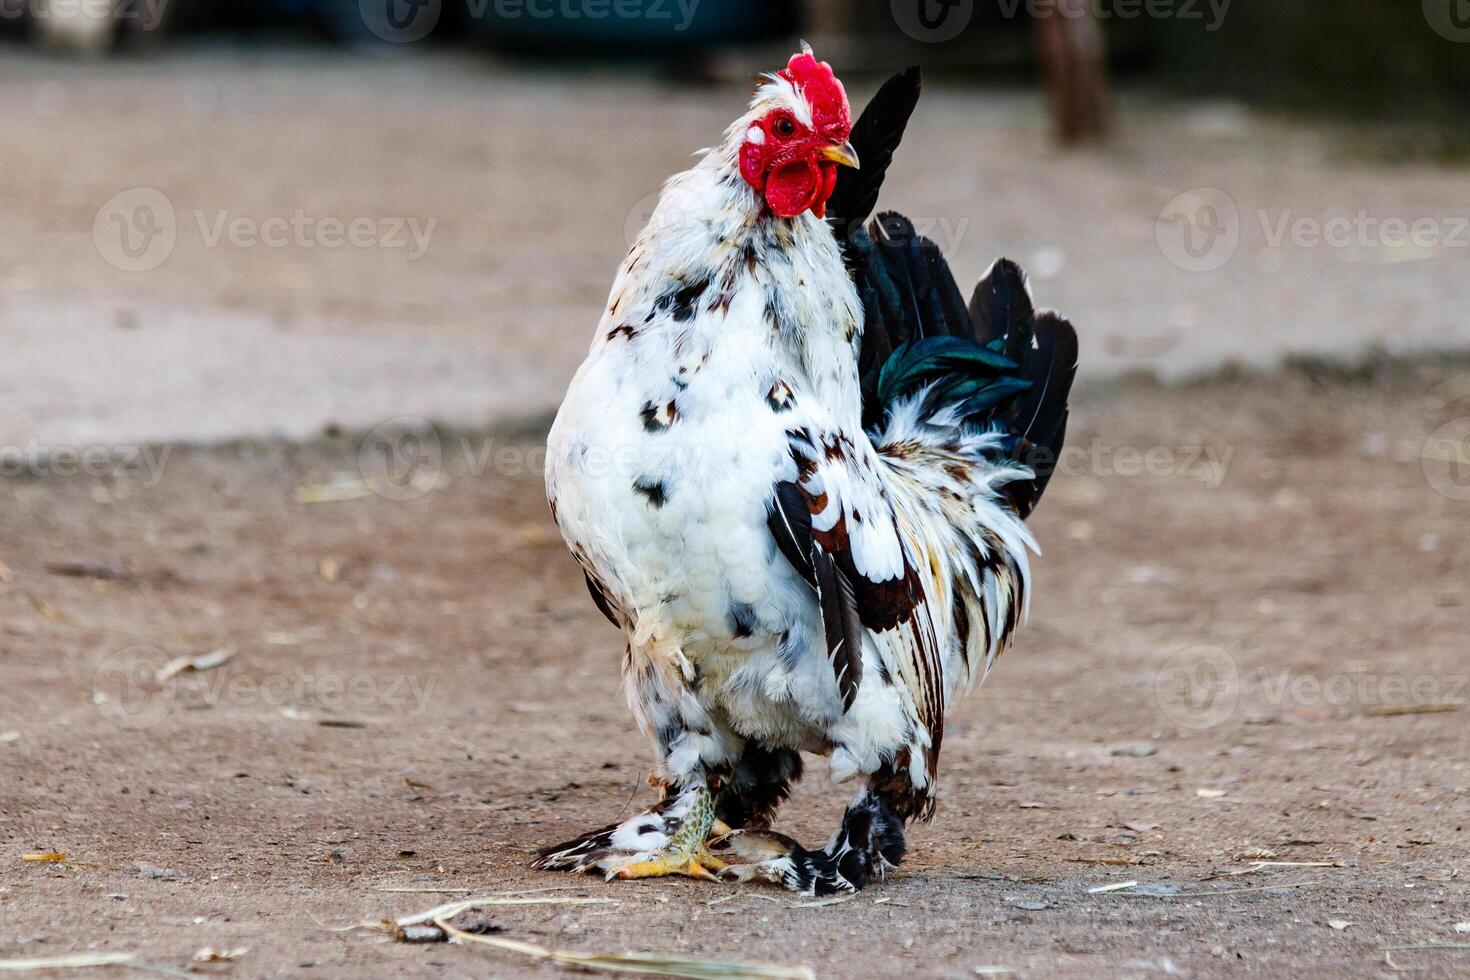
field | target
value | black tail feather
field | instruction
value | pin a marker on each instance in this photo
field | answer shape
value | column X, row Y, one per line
column 917, row 328
column 1001, row 309
column 1038, row 418
column 947, row 291
column 875, row 136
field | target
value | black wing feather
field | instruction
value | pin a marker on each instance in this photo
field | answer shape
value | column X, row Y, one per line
column 791, row 525
column 995, row 361
column 600, row 598
column 842, row 622
column 790, row 521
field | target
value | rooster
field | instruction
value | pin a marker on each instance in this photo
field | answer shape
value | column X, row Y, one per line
column 795, row 467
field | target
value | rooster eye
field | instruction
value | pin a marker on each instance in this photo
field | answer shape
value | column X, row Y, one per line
column 784, row 127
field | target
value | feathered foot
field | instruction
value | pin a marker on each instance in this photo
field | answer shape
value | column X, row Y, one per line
column 869, row 842
column 672, row 838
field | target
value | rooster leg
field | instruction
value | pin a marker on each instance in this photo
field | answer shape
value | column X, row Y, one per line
column 686, row 851
column 671, row 838
column 870, row 841
column 696, row 755
column 758, row 784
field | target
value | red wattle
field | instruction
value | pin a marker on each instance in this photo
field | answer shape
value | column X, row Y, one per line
column 792, row 188
column 798, row 186
column 829, row 184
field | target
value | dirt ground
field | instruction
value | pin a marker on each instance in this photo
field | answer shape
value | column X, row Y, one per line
column 1248, row 637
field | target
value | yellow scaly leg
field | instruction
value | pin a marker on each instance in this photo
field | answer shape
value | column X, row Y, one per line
column 687, row 852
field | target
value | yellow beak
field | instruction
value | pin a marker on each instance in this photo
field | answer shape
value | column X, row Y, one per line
column 843, row 154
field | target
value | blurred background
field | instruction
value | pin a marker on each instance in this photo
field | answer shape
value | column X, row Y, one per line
column 256, row 218
column 289, row 290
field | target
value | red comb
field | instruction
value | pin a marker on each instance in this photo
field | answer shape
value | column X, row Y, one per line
column 822, row 90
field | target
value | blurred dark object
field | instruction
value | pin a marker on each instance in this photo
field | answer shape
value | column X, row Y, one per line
column 96, row 27
column 88, row 27
column 635, row 26
column 1074, row 61
column 1381, row 57
column 584, row 27
column 1384, row 58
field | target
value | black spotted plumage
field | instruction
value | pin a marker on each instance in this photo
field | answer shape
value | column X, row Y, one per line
column 680, row 301
column 601, row 600
column 656, row 492
column 818, row 542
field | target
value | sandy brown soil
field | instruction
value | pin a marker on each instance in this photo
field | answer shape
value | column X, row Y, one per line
column 1322, row 579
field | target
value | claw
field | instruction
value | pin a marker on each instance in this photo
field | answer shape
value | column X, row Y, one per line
column 703, row 865
column 672, row 839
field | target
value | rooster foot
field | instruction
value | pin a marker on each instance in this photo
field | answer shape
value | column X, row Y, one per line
column 700, row 864
column 672, row 838
column 870, row 843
